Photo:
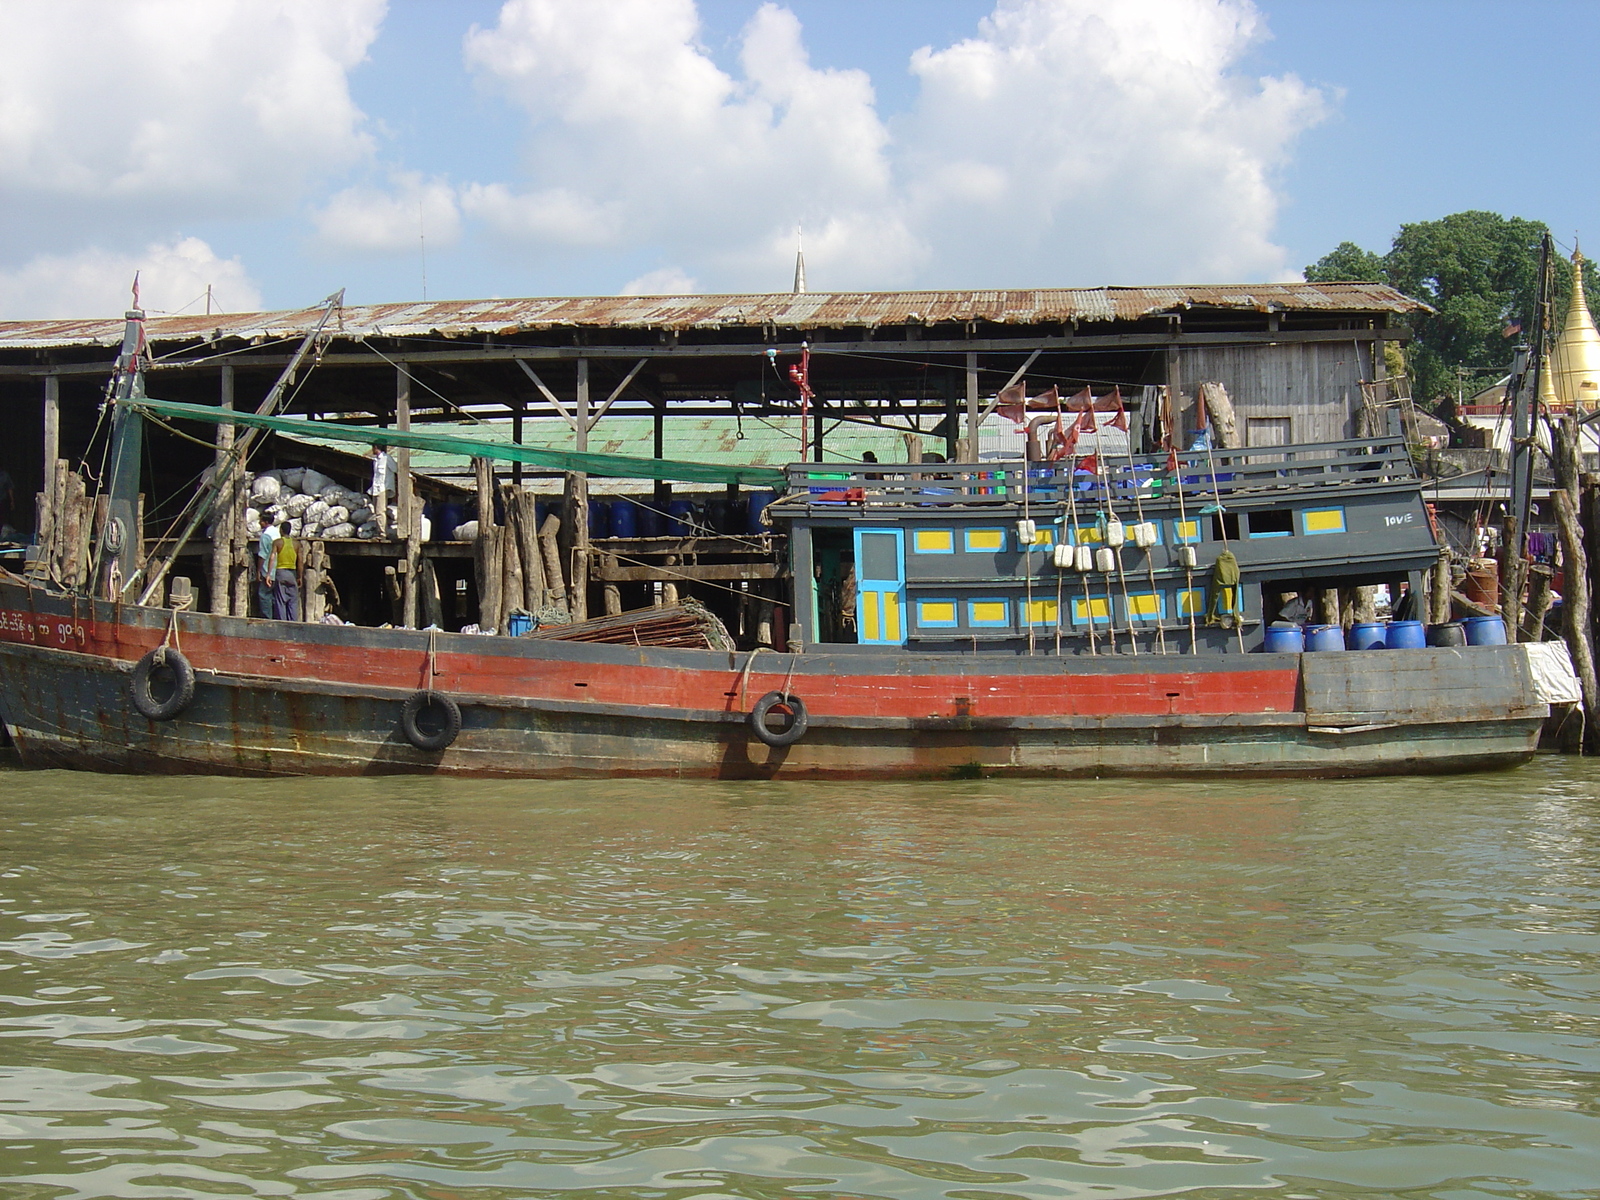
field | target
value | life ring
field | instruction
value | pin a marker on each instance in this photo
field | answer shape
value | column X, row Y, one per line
column 789, row 734
column 181, row 696
column 430, row 721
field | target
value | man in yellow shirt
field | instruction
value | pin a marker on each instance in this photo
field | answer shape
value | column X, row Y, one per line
column 285, row 576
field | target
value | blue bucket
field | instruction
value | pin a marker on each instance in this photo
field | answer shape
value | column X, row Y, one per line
column 1324, row 637
column 624, row 519
column 1283, row 639
column 1485, row 631
column 1406, row 635
column 518, row 624
column 1366, row 635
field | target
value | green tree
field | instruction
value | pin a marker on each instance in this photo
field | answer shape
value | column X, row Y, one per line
column 1479, row 272
column 1347, row 263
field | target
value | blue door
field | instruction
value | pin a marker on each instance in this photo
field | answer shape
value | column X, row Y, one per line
column 880, row 587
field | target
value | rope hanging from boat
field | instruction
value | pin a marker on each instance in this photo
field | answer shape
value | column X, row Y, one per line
column 1138, row 507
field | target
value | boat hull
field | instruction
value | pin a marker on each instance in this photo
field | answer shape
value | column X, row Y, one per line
column 284, row 699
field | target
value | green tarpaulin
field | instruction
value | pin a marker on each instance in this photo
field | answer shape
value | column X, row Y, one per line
column 613, row 466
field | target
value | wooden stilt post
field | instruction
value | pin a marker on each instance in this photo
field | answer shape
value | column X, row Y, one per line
column 486, row 551
column 432, row 603
column 405, row 500
column 221, row 593
column 973, row 415
column 578, row 503
column 52, row 452
column 550, row 550
column 510, row 554
column 1439, row 595
column 1577, row 619
column 1511, row 575
column 534, row 593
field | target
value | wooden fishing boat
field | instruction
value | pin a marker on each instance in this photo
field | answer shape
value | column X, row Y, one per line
column 1092, row 615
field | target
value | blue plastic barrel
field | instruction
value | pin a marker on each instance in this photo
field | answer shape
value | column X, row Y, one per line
column 1366, row 635
column 599, row 518
column 1283, row 639
column 650, row 521
column 446, row 517
column 518, row 624
column 755, row 504
column 1324, row 637
column 624, row 519
column 680, row 518
column 1406, row 635
column 1485, row 631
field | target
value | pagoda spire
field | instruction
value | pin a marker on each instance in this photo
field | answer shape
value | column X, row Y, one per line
column 1576, row 357
column 799, row 262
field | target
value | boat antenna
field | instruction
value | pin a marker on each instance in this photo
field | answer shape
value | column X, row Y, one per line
column 205, row 500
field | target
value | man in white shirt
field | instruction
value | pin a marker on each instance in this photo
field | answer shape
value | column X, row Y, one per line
column 264, row 566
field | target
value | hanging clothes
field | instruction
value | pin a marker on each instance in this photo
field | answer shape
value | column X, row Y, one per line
column 1224, row 589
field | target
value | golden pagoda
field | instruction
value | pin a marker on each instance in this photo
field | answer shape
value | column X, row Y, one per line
column 1575, row 361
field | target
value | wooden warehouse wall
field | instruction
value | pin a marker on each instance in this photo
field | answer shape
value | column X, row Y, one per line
column 1315, row 386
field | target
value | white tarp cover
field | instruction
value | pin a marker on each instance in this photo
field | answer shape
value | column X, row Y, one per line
column 1550, row 664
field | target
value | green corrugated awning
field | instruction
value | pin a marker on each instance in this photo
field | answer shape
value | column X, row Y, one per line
column 613, row 466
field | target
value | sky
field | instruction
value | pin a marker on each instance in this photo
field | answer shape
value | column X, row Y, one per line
column 275, row 152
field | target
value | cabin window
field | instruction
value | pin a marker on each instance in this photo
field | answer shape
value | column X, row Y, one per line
column 1271, row 524
column 981, row 541
column 1084, row 535
column 1322, row 520
column 1040, row 612
column 1044, row 538
column 879, row 557
column 1091, row 609
column 936, row 614
column 1191, row 602
column 988, row 614
column 1146, row 606
column 933, row 541
column 1187, row 533
column 1225, row 527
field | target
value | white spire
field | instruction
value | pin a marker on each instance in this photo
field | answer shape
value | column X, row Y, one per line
column 799, row 261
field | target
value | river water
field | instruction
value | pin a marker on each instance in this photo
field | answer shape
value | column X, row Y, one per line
column 448, row 990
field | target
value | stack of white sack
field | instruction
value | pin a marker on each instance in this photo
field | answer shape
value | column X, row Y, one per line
column 314, row 505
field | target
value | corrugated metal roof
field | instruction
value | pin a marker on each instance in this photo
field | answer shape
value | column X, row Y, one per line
column 808, row 310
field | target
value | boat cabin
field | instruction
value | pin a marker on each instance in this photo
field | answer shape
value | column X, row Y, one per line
column 1094, row 557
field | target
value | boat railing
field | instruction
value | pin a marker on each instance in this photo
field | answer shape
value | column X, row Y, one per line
column 1197, row 476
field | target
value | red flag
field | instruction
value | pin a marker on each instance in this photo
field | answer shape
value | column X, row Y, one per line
column 1049, row 399
column 1062, row 440
column 1090, row 463
column 1120, row 421
column 1086, row 421
column 1172, row 461
column 1012, row 404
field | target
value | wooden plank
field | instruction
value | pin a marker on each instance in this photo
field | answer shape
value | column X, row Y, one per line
column 645, row 573
column 1015, row 345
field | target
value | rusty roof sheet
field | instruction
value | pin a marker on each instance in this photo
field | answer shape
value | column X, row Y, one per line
column 783, row 310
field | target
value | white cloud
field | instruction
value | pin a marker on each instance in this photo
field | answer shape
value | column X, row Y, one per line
column 367, row 219
column 1067, row 141
column 667, row 281
column 96, row 283
column 1103, row 142
column 203, row 105
column 638, row 137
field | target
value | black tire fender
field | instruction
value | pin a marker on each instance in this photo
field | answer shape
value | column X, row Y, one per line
column 791, row 733
column 430, row 721
column 144, row 676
